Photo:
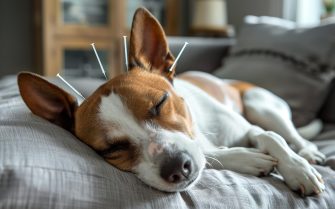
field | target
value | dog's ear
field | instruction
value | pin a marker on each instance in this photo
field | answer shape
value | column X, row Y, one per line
column 47, row 100
column 148, row 45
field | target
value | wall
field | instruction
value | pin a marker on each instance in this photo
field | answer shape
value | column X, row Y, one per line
column 16, row 36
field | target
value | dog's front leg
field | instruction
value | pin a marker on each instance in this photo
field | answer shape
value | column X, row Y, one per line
column 270, row 112
column 240, row 159
column 297, row 172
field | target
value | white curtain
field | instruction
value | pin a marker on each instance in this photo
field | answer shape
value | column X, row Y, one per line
column 305, row 13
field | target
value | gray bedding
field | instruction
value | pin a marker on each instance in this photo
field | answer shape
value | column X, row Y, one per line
column 44, row 166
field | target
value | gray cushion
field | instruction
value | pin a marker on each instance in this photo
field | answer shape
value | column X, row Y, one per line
column 327, row 112
column 203, row 54
column 295, row 64
column 328, row 148
column 44, row 166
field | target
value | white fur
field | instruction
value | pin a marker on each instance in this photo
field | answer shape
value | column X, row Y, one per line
column 149, row 172
column 297, row 172
column 215, row 126
column 113, row 112
column 220, row 125
column 272, row 113
column 224, row 127
column 244, row 160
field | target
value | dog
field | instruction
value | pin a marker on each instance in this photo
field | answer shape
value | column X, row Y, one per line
column 166, row 129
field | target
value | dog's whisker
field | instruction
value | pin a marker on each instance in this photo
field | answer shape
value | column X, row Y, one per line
column 216, row 160
column 210, row 164
column 210, row 186
column 207, row 133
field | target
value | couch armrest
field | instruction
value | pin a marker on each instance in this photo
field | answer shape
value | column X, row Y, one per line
column 204, row 54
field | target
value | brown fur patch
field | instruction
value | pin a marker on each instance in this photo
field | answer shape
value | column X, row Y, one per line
column 125, row 157
column 124, row 160
column 242, row 86
column 141, row 90
column 215, row 87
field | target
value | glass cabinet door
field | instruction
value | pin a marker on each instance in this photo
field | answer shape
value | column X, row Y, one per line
column 83, row 63
column 84, row 12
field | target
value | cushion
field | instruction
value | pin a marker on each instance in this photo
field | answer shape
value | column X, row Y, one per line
column 327, row 113
column 195, row 56
column 44, row 166
column 295, row 64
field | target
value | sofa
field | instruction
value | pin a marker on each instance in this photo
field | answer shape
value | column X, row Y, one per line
column 44, row 166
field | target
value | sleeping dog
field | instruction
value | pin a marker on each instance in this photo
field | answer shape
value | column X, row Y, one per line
column 165, row 129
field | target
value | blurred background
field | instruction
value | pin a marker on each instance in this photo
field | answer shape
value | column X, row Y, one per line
column 51, row 36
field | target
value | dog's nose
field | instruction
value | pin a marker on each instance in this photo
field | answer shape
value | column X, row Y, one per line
column 176, row 168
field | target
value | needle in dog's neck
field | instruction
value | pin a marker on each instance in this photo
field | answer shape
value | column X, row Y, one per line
column 96, row 54
column 125, row 52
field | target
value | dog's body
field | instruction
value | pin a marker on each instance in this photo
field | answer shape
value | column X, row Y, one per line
column 257, row 105
column 140, row 122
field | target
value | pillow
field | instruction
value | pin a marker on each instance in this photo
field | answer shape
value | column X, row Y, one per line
column 295, row 64
column 195, row 56
column 44, row 166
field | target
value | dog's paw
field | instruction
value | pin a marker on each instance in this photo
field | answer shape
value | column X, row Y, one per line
column 300, row 176
column 313, row 156
column 247, row 160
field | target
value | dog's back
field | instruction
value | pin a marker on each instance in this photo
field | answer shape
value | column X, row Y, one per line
column 227, row 92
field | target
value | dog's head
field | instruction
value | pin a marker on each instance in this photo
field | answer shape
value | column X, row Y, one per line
column 135, row 121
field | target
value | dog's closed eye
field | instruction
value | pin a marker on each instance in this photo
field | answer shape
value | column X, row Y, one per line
column 115, row 147
column 155, row 110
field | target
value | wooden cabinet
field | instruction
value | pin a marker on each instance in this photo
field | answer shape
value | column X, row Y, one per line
column 65, row 30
